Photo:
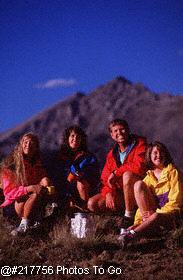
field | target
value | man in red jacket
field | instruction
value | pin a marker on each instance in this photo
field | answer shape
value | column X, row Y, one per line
column 124, row 166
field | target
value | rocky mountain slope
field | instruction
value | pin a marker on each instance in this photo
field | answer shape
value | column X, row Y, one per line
column 156, row 116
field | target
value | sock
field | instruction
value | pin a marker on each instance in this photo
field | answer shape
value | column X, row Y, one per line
column 133, row 232
column 24, row 221
column 129, row 214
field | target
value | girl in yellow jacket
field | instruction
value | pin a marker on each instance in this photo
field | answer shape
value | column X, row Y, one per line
column 159, row 196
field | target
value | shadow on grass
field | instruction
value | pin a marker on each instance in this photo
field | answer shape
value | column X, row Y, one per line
column 148, row 246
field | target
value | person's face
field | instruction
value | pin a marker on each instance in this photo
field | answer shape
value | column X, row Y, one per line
column 156, row 157
column 74, row 140
column 29, row 146
column 120, row 134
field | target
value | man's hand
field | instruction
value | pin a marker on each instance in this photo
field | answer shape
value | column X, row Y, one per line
column 110, row 202
column 34, row 188
column 112, row 179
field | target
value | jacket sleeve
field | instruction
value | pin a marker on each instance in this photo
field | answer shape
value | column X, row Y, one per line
column 12, row 192
column 175, row 196
column 137, row 165
column 82, row 165
column 104, row 177
column 147, row 180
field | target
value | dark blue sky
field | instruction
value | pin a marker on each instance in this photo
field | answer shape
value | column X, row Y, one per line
column 53, row 48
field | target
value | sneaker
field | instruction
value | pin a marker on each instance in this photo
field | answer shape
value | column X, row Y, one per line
column 50, row 208
column 36, row 225
column 127, row 222
column 123, row 231
column 21, row 229
column 127, row 236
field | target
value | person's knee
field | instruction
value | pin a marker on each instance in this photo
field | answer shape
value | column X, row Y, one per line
column 129, row 179
column 91, row 204
column 139, row 187
column 94, row 203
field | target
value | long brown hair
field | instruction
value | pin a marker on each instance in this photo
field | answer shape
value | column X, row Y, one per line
column 13, row 164
column 165, row 155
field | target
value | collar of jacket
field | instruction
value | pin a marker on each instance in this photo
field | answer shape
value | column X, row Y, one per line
column 115, row 151
column 164, row 175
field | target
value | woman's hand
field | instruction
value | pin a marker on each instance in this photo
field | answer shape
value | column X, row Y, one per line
column 110, row 202
column 147, row 214
column 34, row 188
column 133, row 227
column 45, row 182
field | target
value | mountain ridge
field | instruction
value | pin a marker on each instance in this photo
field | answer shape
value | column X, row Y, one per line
column 155, row 116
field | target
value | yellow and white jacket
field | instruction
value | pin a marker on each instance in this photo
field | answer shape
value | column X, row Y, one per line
column 168, row 190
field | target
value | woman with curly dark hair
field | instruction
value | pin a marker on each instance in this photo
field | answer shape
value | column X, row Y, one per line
column 80, row 178
column 23, row 177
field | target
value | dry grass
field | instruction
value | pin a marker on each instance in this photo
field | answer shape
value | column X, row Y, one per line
column 53, row 245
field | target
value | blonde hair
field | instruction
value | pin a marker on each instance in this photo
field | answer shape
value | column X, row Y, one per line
column 14, row 163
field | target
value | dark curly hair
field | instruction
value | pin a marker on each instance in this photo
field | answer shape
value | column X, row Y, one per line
column 65, row 149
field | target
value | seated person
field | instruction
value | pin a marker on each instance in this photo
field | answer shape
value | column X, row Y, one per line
column 124, row 166
column 159, row 196
column 78, row 177
column 23, row 177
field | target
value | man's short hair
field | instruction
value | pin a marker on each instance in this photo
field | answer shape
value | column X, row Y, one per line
column 118, row 122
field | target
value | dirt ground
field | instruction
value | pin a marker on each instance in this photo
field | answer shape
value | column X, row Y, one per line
column 51, row 252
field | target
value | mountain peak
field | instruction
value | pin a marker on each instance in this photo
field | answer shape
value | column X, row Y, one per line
column 122, row 79
column 146, row 112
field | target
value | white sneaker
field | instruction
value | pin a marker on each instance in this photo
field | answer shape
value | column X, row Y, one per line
column 36, row 225
column 50, row 207
column 22, row 228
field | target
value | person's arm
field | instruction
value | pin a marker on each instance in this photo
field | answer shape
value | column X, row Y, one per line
column 137, row 165
column 112, row 180
column 175, row 196
column 106, row 173
column 34, row 188
column 12, row 192
column 110, row 201
column 82, row 165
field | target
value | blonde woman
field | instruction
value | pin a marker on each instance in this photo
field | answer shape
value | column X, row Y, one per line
column 23, row 177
